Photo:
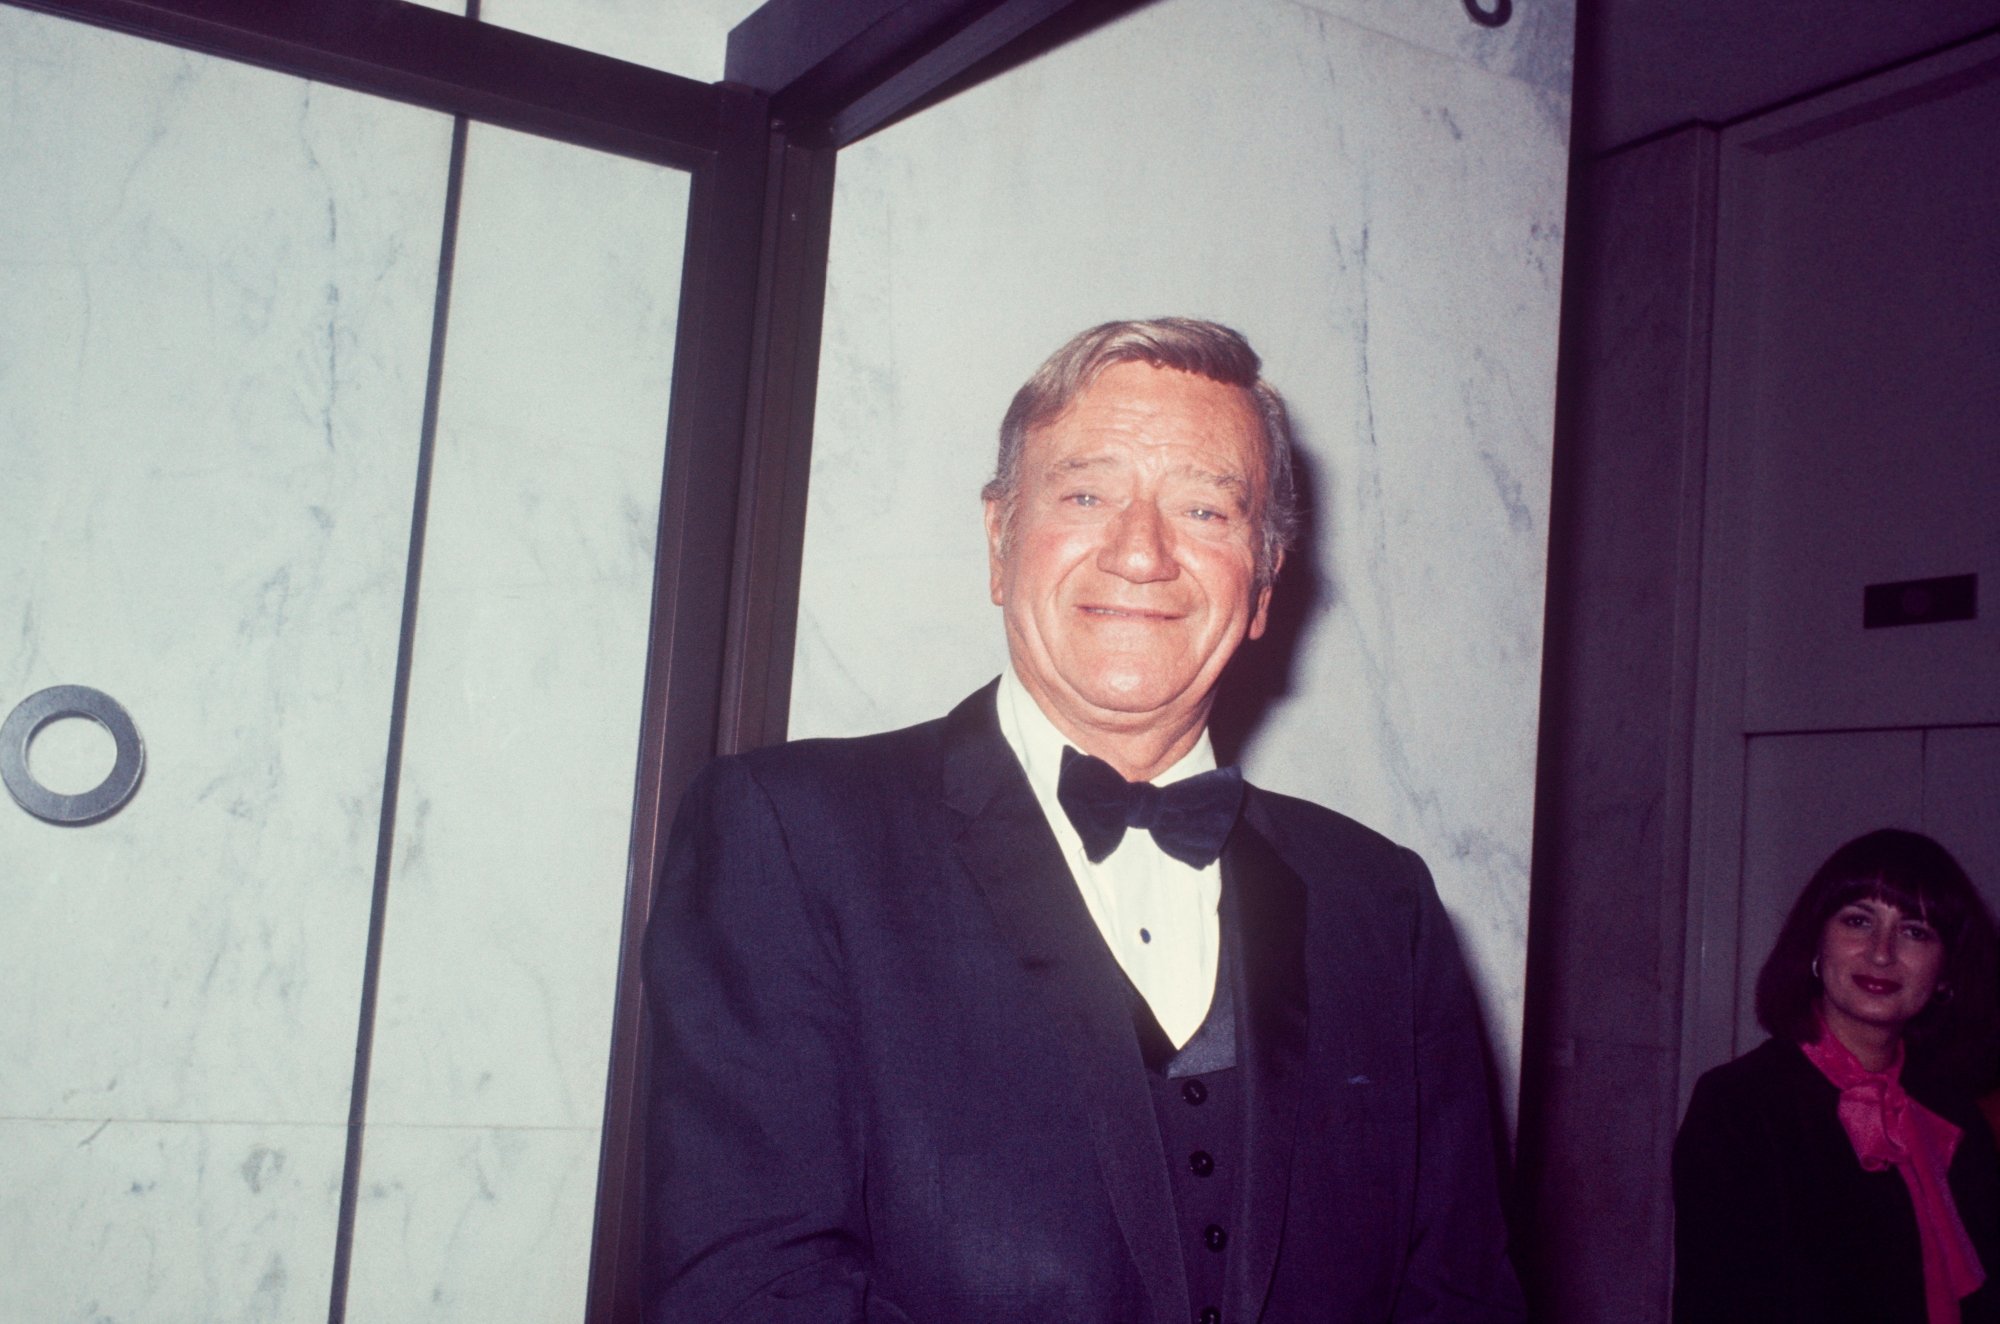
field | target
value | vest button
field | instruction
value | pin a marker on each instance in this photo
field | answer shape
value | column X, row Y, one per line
column 1194, row 1091
column 1200, row 1164
column 1208, row 1315
column 1214, row 1237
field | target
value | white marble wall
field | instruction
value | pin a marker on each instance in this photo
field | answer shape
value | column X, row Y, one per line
column 218, row 286
column 1373, row 192
column 507, row 888
column 688, row 37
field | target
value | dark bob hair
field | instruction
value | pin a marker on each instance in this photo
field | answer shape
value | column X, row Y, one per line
column 1955, row 1033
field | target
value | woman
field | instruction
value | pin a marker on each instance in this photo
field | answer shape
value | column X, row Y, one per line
column 1840, row 1172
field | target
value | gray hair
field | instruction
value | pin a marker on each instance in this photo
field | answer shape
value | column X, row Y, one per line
column 1185, row 344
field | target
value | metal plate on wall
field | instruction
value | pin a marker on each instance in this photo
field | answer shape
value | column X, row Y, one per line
column 52, row 705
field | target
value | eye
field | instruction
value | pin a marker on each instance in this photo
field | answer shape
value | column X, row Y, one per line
column 1084, row 499
column 1919, row 933
column 1856, row 919
column 1204, row 514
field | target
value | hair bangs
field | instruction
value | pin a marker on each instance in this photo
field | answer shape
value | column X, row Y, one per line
column 1917, row 894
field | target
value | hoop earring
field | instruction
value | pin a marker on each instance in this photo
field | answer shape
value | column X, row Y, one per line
column 1941, row 994
column 1815, row 969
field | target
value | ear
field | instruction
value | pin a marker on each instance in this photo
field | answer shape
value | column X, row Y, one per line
column 1262, row 616
column 996, row 561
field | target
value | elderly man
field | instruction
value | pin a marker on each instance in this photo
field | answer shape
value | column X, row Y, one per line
column 1033, row 1013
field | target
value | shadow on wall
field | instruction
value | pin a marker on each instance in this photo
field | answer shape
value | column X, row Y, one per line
column 1262, row 674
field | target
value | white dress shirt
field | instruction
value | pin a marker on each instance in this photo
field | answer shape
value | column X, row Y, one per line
column 1157, row 914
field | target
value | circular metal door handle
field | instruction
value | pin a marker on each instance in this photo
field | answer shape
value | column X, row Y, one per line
column 51, row 705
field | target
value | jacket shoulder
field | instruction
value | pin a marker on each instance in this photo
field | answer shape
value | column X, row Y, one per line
column 1772, row 1083
column 822, row 789
column 1310, row 837
column 1773, row 1062
column 899, row 771
column 838, row 759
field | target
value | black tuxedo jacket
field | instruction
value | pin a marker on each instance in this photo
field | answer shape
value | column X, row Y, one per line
column 896, row 1075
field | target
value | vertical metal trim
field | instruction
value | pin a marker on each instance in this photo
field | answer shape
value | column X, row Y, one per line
column 693, row 571
column 777, row 453
column 364, row 1039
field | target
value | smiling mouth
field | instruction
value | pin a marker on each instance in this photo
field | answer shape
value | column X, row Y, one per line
column 1875, row 986
column 1130, row 614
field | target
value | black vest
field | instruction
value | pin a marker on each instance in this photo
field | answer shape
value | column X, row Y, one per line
column 1198, row 1099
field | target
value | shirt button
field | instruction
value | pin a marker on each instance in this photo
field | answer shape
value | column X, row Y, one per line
column 1200, row 1164
column 1208, row 1315
column 1214, row 1237
column 1194, row 1091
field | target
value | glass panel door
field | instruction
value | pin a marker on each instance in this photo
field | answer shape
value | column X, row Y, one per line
column 331, row 448
column 507, row 887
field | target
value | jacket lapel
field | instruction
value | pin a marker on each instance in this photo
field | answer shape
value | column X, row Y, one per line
column 1265, row 899
column 1007, row 847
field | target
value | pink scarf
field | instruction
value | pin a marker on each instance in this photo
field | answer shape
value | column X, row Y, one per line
column 1887, row 1126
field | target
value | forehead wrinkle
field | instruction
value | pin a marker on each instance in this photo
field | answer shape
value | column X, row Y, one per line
column 1227, row 479
column 1070, row 464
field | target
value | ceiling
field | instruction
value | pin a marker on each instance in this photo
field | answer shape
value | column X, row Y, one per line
column 1647, row 65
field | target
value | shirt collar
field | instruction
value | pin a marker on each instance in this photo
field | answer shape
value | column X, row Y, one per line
column 1039, row 745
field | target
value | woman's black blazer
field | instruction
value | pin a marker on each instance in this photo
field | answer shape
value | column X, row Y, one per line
column 1775, row 1220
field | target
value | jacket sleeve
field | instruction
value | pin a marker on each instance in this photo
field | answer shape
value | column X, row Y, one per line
column 1458, row 1269
column 753, row 1151
column 1727, row 1259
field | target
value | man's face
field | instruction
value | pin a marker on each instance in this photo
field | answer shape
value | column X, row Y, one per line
column 1127, row 579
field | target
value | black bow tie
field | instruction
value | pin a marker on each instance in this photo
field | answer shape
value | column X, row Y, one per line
column 1189, row 819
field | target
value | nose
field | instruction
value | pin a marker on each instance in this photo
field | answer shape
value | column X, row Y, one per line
column 1137, row 545
column 1882, row 947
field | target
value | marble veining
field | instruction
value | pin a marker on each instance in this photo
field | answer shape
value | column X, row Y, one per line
column 506, row 891
column 211, row 424
column 474, row 1225
column 1533, row 46
column 211, row 388
column 141, row 1221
